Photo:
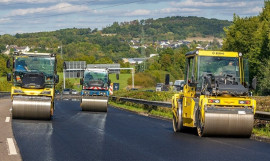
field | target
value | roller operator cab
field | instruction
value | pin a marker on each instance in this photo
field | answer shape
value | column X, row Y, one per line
column 95, row 90
column 216, row 98
column 33, row 85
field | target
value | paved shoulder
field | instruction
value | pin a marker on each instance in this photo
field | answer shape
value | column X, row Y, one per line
column 8, row 147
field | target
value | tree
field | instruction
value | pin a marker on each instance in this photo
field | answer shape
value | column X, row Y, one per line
column 166, row 62
column 104, row 60
column 251, row 36
column 167, row 51
column 265, row 83
column 2, row 48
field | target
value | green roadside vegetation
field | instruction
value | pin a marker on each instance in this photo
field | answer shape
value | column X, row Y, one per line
column 264, row 130
column 263, row 103
column 4, row 84
column 3, row 78
column 72, row 83
column 146, row 94
column 146, row 110
column 123, row 80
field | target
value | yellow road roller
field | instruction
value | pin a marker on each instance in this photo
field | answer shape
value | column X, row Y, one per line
column 33, row 82
column 216, row 98
column 95, row 90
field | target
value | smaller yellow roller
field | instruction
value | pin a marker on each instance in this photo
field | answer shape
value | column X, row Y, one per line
column 95, row 90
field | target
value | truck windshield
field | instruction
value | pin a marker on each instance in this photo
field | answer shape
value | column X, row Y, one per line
column 95, row 78
column 31, row 64
column 218, row 66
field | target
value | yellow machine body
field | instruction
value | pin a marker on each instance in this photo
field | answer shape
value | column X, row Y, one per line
column 221, row 113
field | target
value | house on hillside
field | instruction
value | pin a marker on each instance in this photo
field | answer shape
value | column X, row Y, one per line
column 22, row 49
column 8, row 47
column 134, row 60
column 16, row 48
column 152, row 55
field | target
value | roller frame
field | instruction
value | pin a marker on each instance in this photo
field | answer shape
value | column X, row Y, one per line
column 31, row 107
column 94, row 103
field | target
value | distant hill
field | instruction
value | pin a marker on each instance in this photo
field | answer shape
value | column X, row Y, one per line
column 114, row 41
column 169, row 28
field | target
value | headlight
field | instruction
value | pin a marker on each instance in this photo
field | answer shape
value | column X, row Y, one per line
column 213, row 101
column 244, row 102
column 45, row 92
column 18, row 91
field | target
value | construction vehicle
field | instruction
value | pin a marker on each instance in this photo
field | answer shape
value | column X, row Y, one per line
column 33, row 85
column 216, row 98
column 95, row 90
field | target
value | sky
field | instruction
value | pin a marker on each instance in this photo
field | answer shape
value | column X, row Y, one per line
column 27, row 16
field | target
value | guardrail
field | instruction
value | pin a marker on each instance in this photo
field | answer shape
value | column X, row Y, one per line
column 262, row 115
column 141, row 101
column 258, row 115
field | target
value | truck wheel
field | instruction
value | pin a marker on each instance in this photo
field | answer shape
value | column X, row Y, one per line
column 200, row 125
column 178, row 121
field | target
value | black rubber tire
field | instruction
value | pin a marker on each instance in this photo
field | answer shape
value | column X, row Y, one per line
column 199, row 125
column 178, row 123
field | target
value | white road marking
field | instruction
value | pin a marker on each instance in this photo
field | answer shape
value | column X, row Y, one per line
column 7, row 119
column 11, row 147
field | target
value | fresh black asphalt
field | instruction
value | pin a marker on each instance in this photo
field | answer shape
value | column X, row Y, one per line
column 75, row 135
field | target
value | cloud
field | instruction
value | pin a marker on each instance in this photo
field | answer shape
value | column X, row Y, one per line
column 212, row 4
column 221, row 8
column 58, row 14
column 4, row 20
column 253, row 11
column 179, row 10
column 139, row 12
column 34, row 1
column 59, row 8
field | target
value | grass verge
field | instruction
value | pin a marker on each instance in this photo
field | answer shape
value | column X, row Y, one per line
column 262, row 128
column 261, row 131
column 146, row 110
column 123, row 80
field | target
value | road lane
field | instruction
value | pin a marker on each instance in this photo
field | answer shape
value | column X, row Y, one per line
column 120, row 135
column 8, row 148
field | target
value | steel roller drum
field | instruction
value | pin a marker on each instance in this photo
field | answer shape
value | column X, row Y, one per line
column 31, row 107
column 228, row 124
column 94, row 103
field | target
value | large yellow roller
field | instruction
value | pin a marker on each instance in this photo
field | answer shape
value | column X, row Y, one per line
column 94, row 103
column 216, row 98
column 33, row 83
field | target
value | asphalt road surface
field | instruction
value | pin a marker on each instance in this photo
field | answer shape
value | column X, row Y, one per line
column 120, row 135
